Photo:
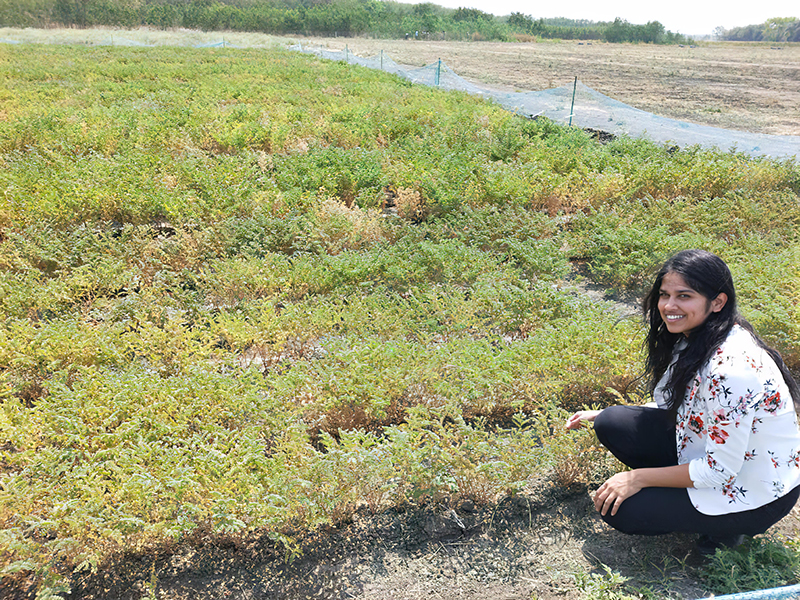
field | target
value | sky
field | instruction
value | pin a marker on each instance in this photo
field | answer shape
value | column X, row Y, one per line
column 689, row 17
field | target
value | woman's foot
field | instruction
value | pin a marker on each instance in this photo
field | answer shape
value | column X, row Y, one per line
column 707, row 544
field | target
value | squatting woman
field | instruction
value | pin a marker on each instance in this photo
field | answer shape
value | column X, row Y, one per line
column 718, row 452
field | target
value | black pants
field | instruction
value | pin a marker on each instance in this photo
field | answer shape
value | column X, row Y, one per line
column 645, row 437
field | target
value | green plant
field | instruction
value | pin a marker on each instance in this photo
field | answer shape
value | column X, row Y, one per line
column 760, row 563
column 609, row 585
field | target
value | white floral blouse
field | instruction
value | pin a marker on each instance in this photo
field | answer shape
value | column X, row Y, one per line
column 737, row 429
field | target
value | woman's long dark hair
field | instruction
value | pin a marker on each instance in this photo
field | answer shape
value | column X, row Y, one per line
column 708, row 275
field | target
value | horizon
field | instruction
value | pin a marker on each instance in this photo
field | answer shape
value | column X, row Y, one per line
column 681, row 16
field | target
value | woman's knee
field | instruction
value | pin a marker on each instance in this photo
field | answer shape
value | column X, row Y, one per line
column 625, row 523
column 609, row 422
column 652, row 511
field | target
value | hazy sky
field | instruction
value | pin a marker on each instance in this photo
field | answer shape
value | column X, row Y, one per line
column 690, row 17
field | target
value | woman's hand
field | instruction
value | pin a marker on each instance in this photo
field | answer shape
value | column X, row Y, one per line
column 615, row 490
column 624, row 485
column 576, row 420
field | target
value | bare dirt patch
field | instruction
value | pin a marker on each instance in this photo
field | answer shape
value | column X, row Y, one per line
column 533, row 545
column 746, row 87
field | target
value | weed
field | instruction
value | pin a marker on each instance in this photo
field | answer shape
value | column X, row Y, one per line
column 760, row 563
column 601, row 586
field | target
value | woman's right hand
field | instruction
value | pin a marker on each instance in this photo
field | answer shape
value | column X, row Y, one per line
column 576, row 420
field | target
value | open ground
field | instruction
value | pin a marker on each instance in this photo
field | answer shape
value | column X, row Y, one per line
column 542, row 545
column 747, row 87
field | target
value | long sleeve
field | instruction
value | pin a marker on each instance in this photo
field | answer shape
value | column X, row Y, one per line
column 738, row 431
column 731, row 397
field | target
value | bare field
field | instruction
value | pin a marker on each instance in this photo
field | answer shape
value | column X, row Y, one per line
column 743, row 86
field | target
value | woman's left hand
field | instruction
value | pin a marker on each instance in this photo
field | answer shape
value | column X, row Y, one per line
column 614, row 492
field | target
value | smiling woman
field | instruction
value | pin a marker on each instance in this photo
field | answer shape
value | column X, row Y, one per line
column 719, row 453
column 683, row 309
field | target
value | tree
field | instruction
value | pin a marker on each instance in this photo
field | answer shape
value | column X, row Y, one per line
column 618, row 31
column 653, row 32
column 471, row 14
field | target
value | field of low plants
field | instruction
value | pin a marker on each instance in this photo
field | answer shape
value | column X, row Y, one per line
column 247, row 290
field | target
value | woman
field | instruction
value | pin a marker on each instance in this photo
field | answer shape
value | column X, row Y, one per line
column 719, row 451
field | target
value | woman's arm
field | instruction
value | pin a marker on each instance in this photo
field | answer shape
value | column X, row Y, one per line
column 579, row 417
column 624, row 485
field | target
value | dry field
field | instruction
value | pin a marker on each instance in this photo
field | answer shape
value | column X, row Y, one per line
column 748, row 87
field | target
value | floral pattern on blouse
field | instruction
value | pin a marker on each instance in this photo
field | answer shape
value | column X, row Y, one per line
column 737, row 429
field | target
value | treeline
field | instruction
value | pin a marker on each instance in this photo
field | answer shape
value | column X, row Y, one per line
column 618, row 31
column 321, row 17
column 773, row 30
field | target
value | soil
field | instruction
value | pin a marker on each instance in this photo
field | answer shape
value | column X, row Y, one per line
column 534, row 546
column 742, row 86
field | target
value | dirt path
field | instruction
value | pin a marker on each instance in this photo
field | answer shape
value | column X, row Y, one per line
column 747, row 87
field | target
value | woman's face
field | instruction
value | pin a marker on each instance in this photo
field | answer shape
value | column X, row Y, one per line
column 682, row 308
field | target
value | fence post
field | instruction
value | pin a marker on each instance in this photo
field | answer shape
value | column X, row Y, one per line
column 346, row 50
column 381, row 60
column 572, row 108
column 438, row 72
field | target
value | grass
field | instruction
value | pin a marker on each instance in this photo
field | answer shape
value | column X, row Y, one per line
column 214, row 323
column 763, row 563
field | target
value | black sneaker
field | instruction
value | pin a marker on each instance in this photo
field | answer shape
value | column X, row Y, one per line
column 707, row 544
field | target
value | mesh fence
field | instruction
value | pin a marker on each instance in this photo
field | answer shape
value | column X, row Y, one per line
column 584, row 107
column 576, row 104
